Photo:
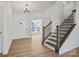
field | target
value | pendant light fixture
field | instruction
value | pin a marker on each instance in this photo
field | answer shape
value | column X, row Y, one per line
column 26, row 10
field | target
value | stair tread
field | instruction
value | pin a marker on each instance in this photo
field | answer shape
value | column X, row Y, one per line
column 64, row 30
column 66, row 19
column 52, row 39
column 54, row 32
column 67, row 24
column 65, row 27
column 51, row 44
column 69, row 21
column 53, row 35
column 56, row 36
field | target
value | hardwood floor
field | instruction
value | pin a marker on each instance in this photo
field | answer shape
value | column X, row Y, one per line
column 28, row 47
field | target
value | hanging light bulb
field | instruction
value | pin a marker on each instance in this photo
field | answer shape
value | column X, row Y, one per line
column 26, row 10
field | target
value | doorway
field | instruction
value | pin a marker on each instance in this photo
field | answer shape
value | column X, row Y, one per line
column 36, row 32
column 37, row 27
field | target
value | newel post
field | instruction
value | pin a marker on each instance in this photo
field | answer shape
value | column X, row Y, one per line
column 57, row 47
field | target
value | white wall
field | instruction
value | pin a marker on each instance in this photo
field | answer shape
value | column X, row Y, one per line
column 35, row 16
column 11, row 27
column 21, row 31
column 0, row 30
column 7, row 27
column 55, row 13
column 1, row 26
column 68, row 9
column 77, row 13
column 18, row 31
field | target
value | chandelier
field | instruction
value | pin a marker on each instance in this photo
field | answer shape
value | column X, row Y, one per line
column 26, row 10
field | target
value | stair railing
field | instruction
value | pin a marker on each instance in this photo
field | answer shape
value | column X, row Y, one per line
column 47, row 30
column 72, row 15
column 61, row 41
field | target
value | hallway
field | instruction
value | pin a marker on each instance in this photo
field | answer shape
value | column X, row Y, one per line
column 33, row 48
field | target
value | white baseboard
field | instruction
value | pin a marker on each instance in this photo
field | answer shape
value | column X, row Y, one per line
column 5, row 53
column 22, row 37
column 62, row 52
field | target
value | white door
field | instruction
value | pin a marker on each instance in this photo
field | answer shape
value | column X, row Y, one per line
column 0, row 30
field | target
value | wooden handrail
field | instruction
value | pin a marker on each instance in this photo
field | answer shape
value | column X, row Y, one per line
column 48, row 24
column 73, row 11
column 44, row 27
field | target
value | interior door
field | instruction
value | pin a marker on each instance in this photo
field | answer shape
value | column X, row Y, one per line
column 0, row 30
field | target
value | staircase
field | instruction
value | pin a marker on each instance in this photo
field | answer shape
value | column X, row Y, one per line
column 56, row 39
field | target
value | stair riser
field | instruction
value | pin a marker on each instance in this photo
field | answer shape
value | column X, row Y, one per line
column 63, row 32
column 68, row 23
column 64, row 29
column 68, row 20
column 52, row 40
column 52, row 48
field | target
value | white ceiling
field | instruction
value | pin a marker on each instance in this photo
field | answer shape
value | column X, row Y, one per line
column 33, row 6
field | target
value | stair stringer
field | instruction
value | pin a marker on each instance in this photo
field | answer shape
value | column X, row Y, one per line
column 71, row 42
